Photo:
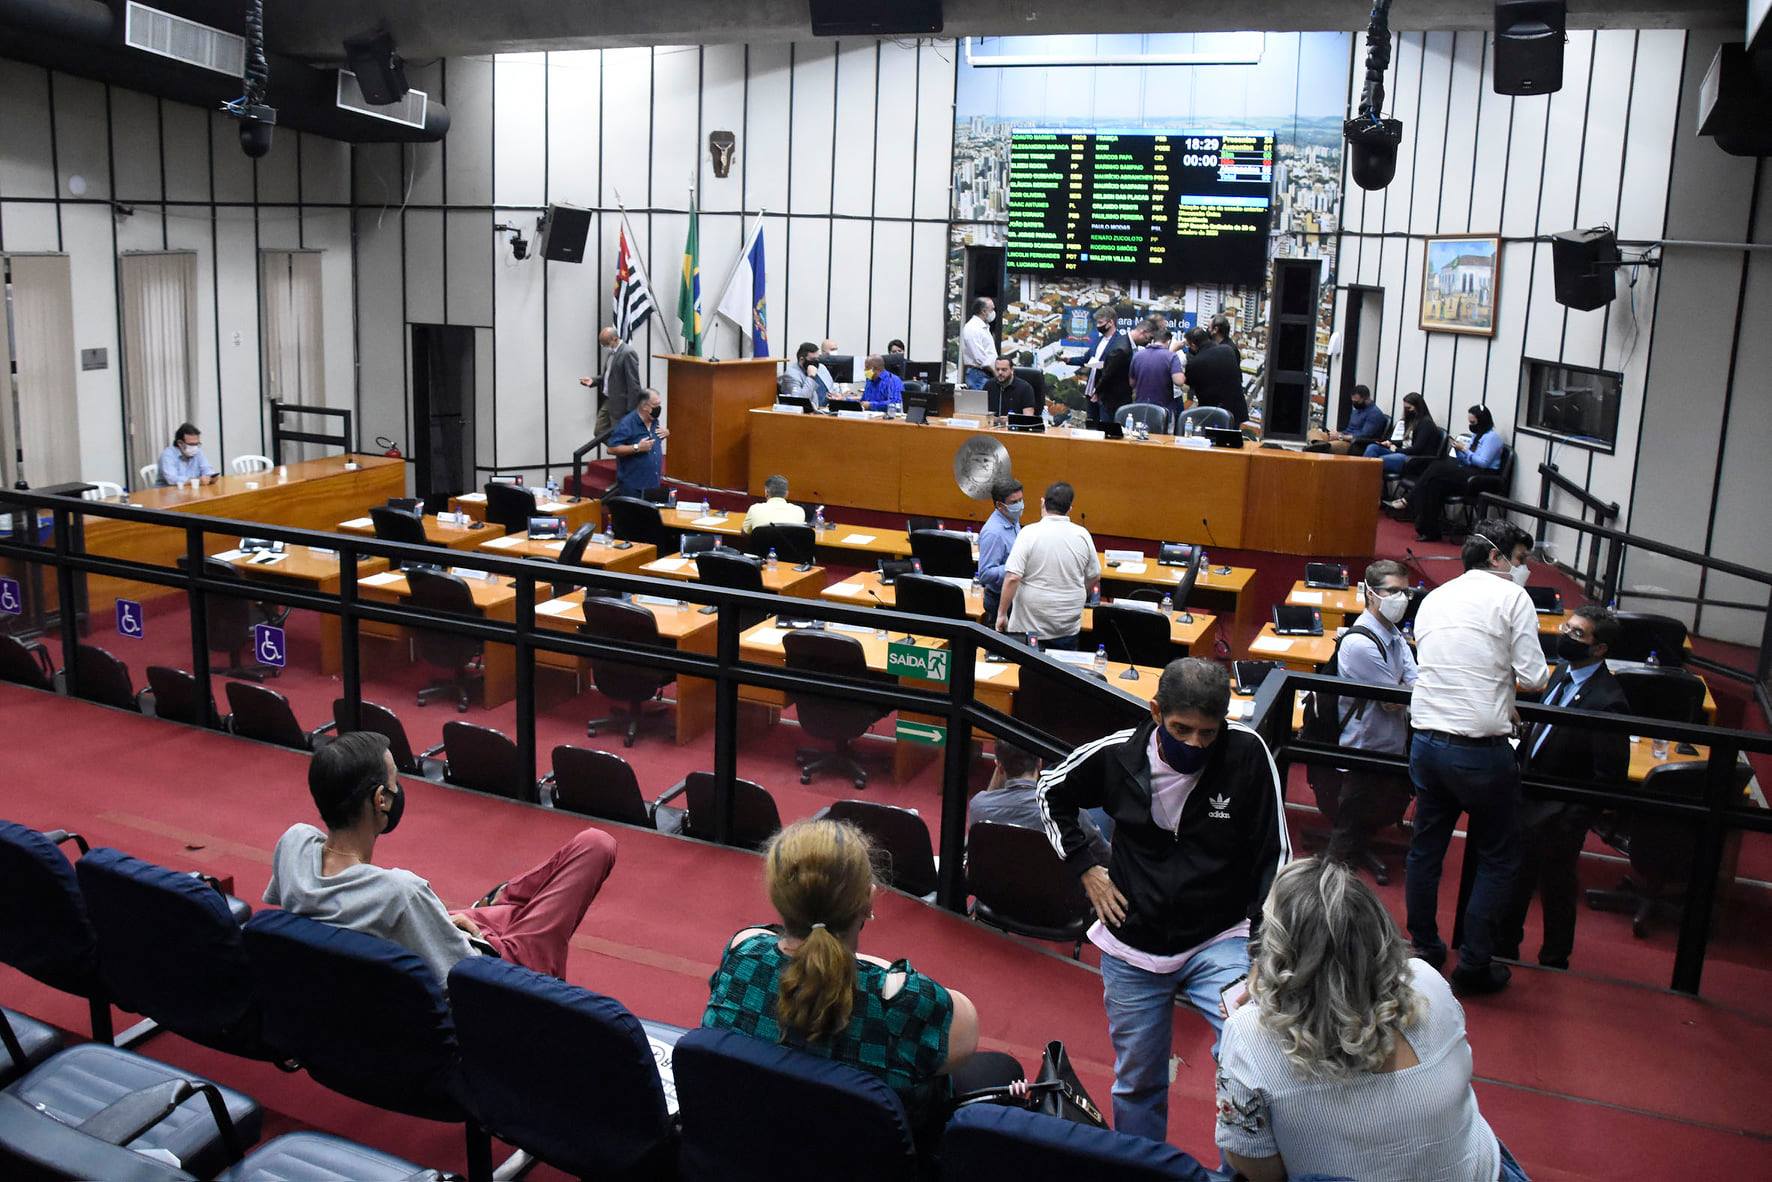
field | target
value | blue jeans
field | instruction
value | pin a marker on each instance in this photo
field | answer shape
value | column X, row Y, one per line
column 1451, row 777
column 1510, row 1169
column 1393, row 461
column 1140, row 1012
column 1062, row 643
column 976, row 378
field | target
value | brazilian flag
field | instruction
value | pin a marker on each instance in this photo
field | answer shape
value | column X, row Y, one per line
column 689, row 295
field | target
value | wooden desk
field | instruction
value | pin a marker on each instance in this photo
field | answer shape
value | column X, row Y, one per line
column 1215, row 588
column 709, row 416
column 304, row 567
column 689, row 631
column 437, row 532
column 1304, row 653
column 785, row 579
column 713, row 521
column 1338, row 607
column 1258, row 499
column 597, row 554
column 496, row 599
column 314, row 494
column 575, row 511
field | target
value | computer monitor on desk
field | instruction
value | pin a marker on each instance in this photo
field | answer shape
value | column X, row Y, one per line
column 928, row 372
column 841, row 367
column 835, row 404
column 795, row 400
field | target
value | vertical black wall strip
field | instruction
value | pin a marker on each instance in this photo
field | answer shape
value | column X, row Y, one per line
column 221, row 403
column 55, row 166
column 830, row 225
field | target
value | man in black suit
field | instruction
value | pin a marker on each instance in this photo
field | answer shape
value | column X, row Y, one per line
column 1109, row 386
column 1554, row 831
column 1215, row 375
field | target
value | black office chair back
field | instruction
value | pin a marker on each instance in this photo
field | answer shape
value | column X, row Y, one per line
column 443, row 592
column 1190, row 574
column 25, row 664
column 230, row 616
column 398, row 525
column 724, row 567
column 943, row 552
column 755, row 818
column 1021, row 885
column 485, row 760
column 634, row 519
column 834, row 720
column 1642, row 633
column 1036, row 379
column 928, row 596
column 598, row 784
column 1662, row 848
column 1133, row 634
column 1204, row 416
column 614, row 619
column 509, row 505
column 378, row 719
column 264, row 714
column 913, row 523
column 175, row 696
column 103, row 678
column 573, row 552
column 1154, row 418
column 1672, row 694
column 791, row 543
column 900, row 835
column 1501, row 480
column 1053, row 701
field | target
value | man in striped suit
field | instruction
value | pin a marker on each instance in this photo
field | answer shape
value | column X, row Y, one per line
column 1199, row 831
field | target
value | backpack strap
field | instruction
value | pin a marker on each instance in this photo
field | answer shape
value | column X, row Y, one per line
column 1356, row 630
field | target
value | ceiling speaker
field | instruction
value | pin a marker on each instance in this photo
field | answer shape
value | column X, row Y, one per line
column 875, row 18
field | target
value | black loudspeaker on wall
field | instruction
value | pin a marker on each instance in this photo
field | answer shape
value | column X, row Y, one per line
column 874, row 18
column 564, row 231
column 1291, row 348
column 1586, row 267
column 1529, row 36
column 381, row 75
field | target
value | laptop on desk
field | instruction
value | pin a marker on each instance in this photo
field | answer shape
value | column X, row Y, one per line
column 1297, row 621
column 1546, row 601
column 1329, row 576
column 798, row 400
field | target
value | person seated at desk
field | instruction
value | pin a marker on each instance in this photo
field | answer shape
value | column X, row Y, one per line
column 800, row 377
column 1422, row 440
column 1011, row 799
column 1008, row 394
column 895, row 357
column 639, row 463
column 183, row 460
column 884, row 388
column 332, row 876
column 1365, row 424
column 775, row 508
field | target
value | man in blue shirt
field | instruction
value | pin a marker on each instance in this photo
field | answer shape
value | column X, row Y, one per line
column 1366, row 425
column 1157, row 376
column 996, row 539
column 639, row 461
column 183, row 460
column 884, row 388
column 1362, row 802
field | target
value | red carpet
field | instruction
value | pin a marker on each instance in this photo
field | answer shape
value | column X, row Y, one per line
column 1583, row 1075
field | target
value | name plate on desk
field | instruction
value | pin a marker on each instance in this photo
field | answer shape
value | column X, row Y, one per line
column 1087, row 433
column 484, row 576
column 1197, row 442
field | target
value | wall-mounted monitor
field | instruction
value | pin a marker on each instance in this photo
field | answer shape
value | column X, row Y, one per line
column 1167, row 206
column 1570, row 403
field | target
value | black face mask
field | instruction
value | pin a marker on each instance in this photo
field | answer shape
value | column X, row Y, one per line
column 1408, row 412
column 394, row 812
column 1573, row 650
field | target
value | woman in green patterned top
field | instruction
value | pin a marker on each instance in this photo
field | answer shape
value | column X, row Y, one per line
column 805, row 985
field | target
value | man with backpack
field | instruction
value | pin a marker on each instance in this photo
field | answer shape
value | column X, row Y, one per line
column 1374, row 651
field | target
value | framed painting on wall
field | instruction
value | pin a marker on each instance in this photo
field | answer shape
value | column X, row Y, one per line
column 1460, row 284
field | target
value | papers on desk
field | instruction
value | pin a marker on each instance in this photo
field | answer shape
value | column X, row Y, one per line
column 1270, row 644
column 506, row 542
column 843, row 589
column 1126, row 568
column 692, row 506
column 231, row 555
column 268, row 558
column 358, row 523
column 556, row 547
column 1141, row 604
column 766, row 636
column 956, row 580
column 1314, row 597
column 478, row 498
column 320, row 552
column 708, row 521
column 383, row 579
column 986, row 671
column 554, row 507
column 668, row 564
column 483, row 575
column 656, row 601
column 856, row 540
column 1124, row 555
column 556, row 607
column 857, row 629
column 1070, row 658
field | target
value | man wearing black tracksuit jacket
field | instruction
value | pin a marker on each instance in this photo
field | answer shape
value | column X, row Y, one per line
column 1199, row 830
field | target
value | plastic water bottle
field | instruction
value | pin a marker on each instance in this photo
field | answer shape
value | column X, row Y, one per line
column 818, row 523
column 1360, row 593
column 1101, row 658
column 682, row 543
column 972, row 538
column 771, row 562
column 1205, row 562
column 1191, row 428
column 1654, row 660
column 1168, row 604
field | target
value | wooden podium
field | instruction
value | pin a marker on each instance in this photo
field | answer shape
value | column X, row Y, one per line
column 708, row 417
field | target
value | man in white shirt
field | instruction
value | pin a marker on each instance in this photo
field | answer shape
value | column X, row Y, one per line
column 1051, row 574
column 775, row 508
column 1476, row 639
column 978, row 349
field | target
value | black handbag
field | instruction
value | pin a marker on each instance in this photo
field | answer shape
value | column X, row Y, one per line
column 1055, row 1090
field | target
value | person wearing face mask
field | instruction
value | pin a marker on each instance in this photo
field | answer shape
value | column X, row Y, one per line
column 1452, row 475
column 1476, row 638
column 1373, row 651
column 978, row 348
column 183, row 460
column 620, row 381
column 1421, row 443
column 884, row 389
column 800, row 377
column 997, row 539
column 1199, row 831
column 332, row 877
column 1365, row 424
column 639, row 459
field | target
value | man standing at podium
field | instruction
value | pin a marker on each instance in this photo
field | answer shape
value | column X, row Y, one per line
column 639, row 459
column 620, row 382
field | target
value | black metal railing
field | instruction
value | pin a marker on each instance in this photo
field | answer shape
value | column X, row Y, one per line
column 1605, row 513
column 344, row 440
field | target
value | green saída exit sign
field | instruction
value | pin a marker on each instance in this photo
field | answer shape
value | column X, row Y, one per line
column 930, row 734
column 914, row 660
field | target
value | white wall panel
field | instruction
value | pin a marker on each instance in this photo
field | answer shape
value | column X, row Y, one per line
column 676, row 147
column 424, row 162
column 1649, row 147
column 898, row 128
column 325, row 170
column 1464, row 100
column 520, row 118
column 856, row 154
column 763, row 141
column 276, row 170
column 135, row 145
column 1524, row 163
column 889, row 286
column 185, row 135
column 848, row 323
column 933, row 163
column 231, row 168
column 423, row 245
column 237, row 355
column 814, row 100
column 470, row 251
column 25, row 169
column 381, row 333
column 808, row 263
column 1425, row 194
column 571, row 351
column 627, row 127
column 721, row 236
column 86, row 230
column 1405, row 100
column 1489, row 174
column 723, row 107
column 518, row 320
column 467, row 152
column 574, row 111
column 31, row 227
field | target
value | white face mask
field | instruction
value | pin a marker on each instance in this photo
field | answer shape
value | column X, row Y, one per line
column 991, row 316
column 1519, row 574
column 1394, row 606
column 187, row 450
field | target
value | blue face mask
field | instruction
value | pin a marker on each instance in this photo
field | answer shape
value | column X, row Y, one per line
column 1183, row 757
column 1014, row 511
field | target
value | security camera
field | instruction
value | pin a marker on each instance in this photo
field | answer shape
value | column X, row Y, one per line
column 519, row 244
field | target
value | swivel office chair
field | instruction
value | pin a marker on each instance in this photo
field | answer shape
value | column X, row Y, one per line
column 832, row 720
column 457, row 656
column 629, row 688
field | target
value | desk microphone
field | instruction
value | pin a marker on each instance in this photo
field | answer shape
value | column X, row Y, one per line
column 1223, row 570
column 1131, row 673
column 908, row 638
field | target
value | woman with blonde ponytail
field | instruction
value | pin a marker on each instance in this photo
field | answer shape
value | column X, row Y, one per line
column 1349, row 1059
column 804, row 983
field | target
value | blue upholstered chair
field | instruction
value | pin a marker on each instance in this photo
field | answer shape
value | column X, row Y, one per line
column 748, row 1106
column 560, row 1072
column 44, row 928
column 991, row 1141
column 24, row 1043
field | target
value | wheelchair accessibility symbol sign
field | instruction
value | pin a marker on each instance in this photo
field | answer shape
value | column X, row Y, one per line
column 12, row 602
column 267, row 645
column 129, row 619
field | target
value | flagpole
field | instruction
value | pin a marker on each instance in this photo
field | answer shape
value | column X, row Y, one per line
column 640, row 266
